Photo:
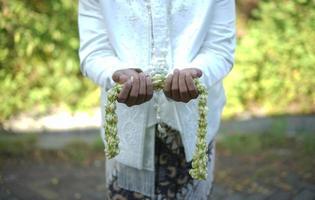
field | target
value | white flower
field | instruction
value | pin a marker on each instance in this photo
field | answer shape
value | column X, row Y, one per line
column 199, row 162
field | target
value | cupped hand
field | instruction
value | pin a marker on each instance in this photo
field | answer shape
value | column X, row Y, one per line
column 180, row 86
column 137, row 87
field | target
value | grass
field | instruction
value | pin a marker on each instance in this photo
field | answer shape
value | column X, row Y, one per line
column 255, row 143
column 245, row 162
column 25, row 146
column 261, row 162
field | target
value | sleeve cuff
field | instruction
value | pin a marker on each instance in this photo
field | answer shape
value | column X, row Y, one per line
column 100, row 70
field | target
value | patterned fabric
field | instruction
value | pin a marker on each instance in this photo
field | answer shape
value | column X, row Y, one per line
column 172, row 180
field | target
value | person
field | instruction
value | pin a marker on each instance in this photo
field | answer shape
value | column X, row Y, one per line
column 128, row 42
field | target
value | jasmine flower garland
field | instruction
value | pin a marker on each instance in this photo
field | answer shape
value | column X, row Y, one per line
column 199, row 161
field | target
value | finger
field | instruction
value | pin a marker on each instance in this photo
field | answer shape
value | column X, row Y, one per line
column 142, row 88
column 175, row 87
column 192, row 90
column 116, row 76
column 120, row 77
column 183, row 92
column 149, row 89
column 196, row 73
column 168, row 85
column 199, row 73
column 123, row 78
column 193, row 73
column 124, row 93
column 132, row 98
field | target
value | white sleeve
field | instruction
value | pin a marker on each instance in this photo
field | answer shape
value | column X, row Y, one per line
column 216, row 56
column 98, row 60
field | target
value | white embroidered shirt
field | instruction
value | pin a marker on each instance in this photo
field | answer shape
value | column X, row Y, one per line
column 158, row 35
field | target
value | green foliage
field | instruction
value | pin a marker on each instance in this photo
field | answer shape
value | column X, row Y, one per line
column 275, row 61
column 38, row 57
column 39, row 67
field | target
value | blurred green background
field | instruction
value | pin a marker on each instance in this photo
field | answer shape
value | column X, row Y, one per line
column 269, row 157
column 274, row 71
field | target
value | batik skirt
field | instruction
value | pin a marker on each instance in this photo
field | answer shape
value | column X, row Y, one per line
column 172, row 179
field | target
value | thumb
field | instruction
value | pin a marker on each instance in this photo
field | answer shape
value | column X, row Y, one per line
column 199, row 73
column 119, row 77
column 123, row 78
column 116, row 76
column 196, row 73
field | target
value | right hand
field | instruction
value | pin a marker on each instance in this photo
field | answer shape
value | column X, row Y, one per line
column 136, row 90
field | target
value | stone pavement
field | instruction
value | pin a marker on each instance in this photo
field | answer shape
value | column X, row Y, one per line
column 52, row 181
column 273, row 177
column 48, row 181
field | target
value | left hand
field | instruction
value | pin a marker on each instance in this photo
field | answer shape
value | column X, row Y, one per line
column 180, row 86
